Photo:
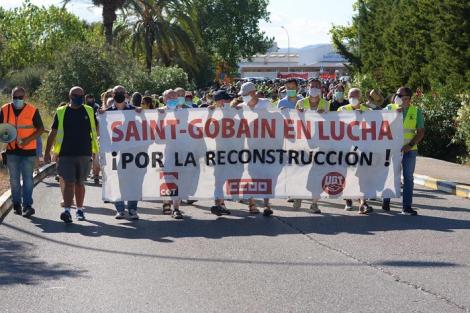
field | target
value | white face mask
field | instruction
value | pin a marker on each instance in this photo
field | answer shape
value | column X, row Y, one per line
column 246, row 99
column 314, row 92
column 353, row 101
column 398, row 100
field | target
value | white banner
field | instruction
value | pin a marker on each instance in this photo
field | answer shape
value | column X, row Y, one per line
column 203, row 154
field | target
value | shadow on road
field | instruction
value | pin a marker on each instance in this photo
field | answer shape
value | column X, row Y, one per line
column 19, row 266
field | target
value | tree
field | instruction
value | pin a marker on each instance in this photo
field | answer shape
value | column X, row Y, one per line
column 230, row 28
column 164, row 29
column 32, row 35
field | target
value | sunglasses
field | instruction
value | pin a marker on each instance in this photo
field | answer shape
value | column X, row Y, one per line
column 401, row 96
column 18, row 98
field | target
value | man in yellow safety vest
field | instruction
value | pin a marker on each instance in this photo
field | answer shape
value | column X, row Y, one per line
column 413, row 128
column 75, row 136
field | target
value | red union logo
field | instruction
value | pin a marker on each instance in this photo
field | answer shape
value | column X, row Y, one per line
column 333, row 183
column 248, row 186
column 168, row 190
column 168, row 174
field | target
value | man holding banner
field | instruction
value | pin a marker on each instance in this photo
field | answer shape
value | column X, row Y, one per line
column 413, row 127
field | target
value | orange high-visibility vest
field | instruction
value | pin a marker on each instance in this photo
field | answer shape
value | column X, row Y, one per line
column 23, row 124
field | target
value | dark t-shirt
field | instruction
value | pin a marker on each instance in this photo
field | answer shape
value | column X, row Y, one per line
column 77, row 139
column 335, row 104
column 37, row 122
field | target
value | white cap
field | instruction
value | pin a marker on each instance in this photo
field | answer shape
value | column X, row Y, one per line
column 246, row 88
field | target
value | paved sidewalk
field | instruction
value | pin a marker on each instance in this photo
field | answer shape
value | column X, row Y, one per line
column 443, row 170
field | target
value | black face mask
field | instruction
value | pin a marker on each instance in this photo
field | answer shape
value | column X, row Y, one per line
column 119, row 97
column 90, row 102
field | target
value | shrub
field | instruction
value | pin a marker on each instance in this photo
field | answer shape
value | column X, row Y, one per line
column 29, row 78
column 462, row 135
column 440, row 109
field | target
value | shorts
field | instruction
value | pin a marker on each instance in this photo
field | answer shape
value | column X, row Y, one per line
column 74, row 169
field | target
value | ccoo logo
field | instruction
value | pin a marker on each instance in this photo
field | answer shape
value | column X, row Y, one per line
column 248, row 186
column 333, row 183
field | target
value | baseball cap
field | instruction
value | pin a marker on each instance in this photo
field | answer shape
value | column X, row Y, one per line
column 222, row 95
column 246, row 88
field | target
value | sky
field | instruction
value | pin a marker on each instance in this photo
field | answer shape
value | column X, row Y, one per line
column 307, row 21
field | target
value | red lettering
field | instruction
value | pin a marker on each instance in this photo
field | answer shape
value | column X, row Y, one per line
column 243, row 129
column 305, row 128
column 385, row 131
column 172, row 124
column 195, row 131
column 144, row 130
column 207, row 128
column 366, row 129
column 288, row 129
column 228, row 129
column 334, row 135
column 268, row 130
column 115, row 130
column 350, row 130
column 132, row 131
column 157, row 129
column 321, row 131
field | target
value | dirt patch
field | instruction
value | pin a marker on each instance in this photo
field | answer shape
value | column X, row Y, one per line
column 4, row 180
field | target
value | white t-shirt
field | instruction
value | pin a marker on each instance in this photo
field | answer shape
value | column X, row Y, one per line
column 263, row 104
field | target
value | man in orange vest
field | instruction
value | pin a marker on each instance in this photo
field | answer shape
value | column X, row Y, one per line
column 21, row 153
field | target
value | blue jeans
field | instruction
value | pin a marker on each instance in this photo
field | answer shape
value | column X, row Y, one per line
column 408, row 166
column 21, row 167
column 121, row 206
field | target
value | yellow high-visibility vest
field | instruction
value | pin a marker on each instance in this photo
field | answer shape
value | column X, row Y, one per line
column 409, row 123
column 60, row 129
column 322, row 105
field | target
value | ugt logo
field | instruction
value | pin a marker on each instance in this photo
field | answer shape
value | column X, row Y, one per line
column 248, row 186
column 169, row 184
column 333, row 183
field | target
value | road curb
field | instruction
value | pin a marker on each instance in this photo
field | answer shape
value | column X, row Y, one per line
column 443, row 185
column 5, row 198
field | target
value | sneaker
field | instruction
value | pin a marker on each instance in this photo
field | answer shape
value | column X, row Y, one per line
column 133, row 215
column 17, row 209
column 80, row 215
column 120, row 215
column 314, row 208
column 297, row 204
column 190, row 202
column 28, row 211
column 224, row 210
column 386, row 206
column 96, row 180
column 216, row 210
column 409, row 211
column 176, row 214
column 365, row 209
column 66, row 217
column 348, row 206
column 268, row 212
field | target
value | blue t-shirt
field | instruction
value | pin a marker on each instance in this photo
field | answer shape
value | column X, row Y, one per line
column 286, row 103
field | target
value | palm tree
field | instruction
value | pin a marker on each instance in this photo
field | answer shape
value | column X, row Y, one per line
column 166, row 29
column 109, row 14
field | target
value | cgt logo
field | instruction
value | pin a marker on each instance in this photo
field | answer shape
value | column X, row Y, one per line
column 333, row 183
column 248, row 186
column 169, row 186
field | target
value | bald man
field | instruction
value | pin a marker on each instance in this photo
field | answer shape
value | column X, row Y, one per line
column 74, row 135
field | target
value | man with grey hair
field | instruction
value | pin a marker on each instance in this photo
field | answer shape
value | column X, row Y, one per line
column 21, row 152
column 355, row 104
column 74, row 136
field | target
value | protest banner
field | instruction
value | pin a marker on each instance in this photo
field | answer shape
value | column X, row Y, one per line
column 229, row 153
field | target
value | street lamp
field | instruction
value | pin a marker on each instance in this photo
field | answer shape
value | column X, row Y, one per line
column 288, row 49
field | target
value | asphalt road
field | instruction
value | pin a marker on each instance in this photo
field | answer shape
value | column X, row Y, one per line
column 293, row 262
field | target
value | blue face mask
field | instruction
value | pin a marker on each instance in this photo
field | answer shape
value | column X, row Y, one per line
column 77, row 101
column 18, row 103
column 172, row 103
column 180, row 100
